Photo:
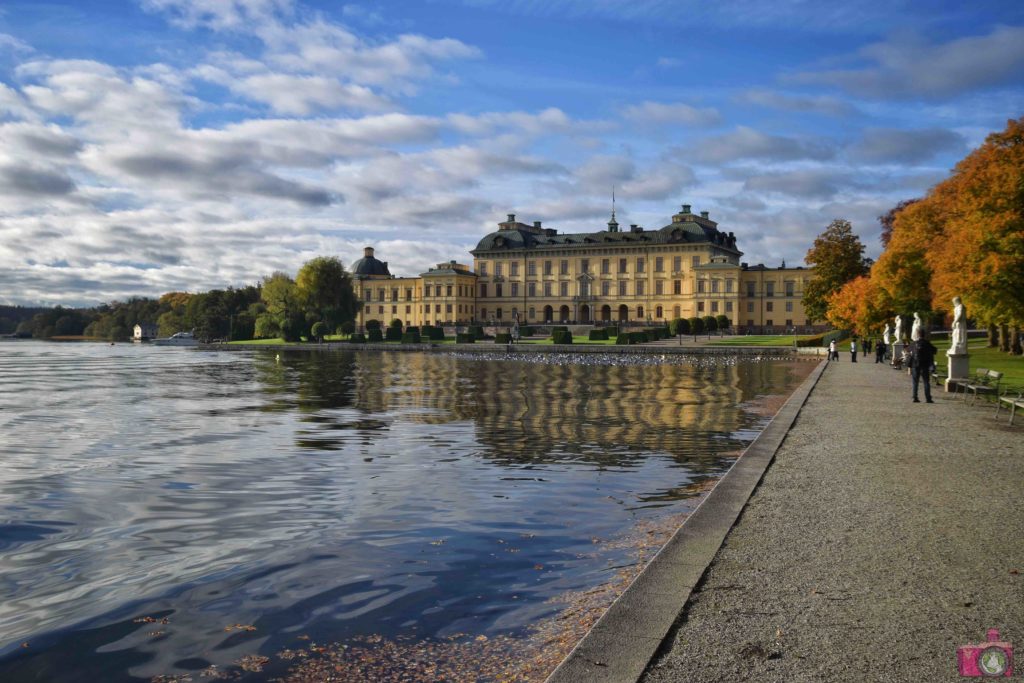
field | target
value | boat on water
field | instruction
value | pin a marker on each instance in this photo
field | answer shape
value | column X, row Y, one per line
column 177, row 339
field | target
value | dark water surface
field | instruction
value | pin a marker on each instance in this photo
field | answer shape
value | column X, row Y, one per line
column 164, row 510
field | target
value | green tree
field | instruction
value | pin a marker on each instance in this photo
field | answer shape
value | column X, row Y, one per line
column 837, row 257
column 723, row 321
column 324, row 290
column 696, row 326
column 710, row 323
column 318, row 330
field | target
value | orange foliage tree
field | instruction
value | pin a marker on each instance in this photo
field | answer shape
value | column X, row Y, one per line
column 856, row 306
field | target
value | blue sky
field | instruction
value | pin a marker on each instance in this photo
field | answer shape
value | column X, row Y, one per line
column 156, row 145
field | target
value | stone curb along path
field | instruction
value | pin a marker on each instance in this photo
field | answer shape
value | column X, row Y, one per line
column 621, row 644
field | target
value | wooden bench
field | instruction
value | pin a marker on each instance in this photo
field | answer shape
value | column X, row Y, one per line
column 983, row 384
column 1013, row 399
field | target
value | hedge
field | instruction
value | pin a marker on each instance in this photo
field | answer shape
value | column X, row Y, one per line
column 411, row 336
column 561, row 336
column 477, row 331
column 464, row 338
column 393, row 334
column 613, row 331
column 503, row 338
column 357, row 338
column 599, row 335
column 375, row 336
column 372, row 325
column 434, row 333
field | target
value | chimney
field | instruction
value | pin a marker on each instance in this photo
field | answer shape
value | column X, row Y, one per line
column 511, row 218
column 686, row 208
column 368, row 252
column 704, row 214
column 536, row 224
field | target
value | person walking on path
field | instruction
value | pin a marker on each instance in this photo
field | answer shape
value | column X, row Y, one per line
column 879, row 352
column 865, row 348
column 922, row 358
column 853, row 350
column 833, row 354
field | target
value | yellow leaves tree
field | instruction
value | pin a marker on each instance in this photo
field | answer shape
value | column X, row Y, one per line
column 855, row 306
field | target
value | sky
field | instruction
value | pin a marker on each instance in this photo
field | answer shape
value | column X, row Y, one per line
column 149, row 146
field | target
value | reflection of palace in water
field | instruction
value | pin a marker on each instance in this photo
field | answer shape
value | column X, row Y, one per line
column 526, row 409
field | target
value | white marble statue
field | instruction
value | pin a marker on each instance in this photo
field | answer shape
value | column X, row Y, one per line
column 898, row 329
column 915, row 330
column 885, row 335
column 958, row 335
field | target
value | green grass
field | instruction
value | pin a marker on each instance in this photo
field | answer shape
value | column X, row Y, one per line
column 260, row 342
column 751, row 340
column 576, row 339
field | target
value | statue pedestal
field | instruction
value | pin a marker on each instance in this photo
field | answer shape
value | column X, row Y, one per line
column 897, row 351
column 958, row 369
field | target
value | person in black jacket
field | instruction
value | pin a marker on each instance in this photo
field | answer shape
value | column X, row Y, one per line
column 922, row 359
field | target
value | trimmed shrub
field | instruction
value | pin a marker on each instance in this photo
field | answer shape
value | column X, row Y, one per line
column 525, row 331
column 347, row 327
column 679, row 326
column 375, row 336
column 723, row 321
column 563, row 336
column 464, row 338
column 696, row 325
column 477, row 331
column 710, row 323
column 372, row 325
column 612, row 330
column 503, row 338
column 434, row 334
column 623, row 339
column 599, row 335
column 397, row 324
column 643, row 336
column 357, row 338
column 393, row 334
column 559, row 328
column 411, row 336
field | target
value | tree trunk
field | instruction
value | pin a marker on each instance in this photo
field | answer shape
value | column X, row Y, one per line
column 993, row 336
column 1004, row 337
column 1017, row 349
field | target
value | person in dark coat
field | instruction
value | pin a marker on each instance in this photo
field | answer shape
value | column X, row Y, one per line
column 922, row 360
column 879, row 352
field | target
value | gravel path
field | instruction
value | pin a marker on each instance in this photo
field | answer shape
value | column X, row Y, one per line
column 885, row 534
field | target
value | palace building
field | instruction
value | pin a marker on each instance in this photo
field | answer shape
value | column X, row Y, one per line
column 688, row 268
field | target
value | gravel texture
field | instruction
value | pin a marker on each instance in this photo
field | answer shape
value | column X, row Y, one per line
column 884, row 535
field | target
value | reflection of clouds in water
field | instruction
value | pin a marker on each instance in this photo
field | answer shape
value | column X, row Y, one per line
column 231, row 488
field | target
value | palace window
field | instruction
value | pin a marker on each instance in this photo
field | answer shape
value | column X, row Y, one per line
column 532, row 313
column 640, row 265
column 701, row 284
column 606, row 266
column 547, row 267
column 483, row 269
column 584, row 265
column 769, row 322
column 563, row 288
column 483, row 290
column 606, row 288
column 714, row 307
column 447, row 308
column 380, row 294
column 659, row 287
column 449, row 290
column 728, row 307
column 498, row 270
column 769, row 289
column 497, row 314
column 750, row 289
column 639, row 311
column 729, row 286
column 531, row 289
column 658, row 313
column 714, row 286
column 769, row 307
column 497, row 290
column 531, row 268
column 789, row 322
column 547, row 289
column 750, row 307
column 513, row 269
column 408, row 294
column 394, row 310
column 677, row 264
column 394, row 294
column 789, row 307
column 695, row 261
column 640, row 288
column 622, row 288
column 700, row 306
column 515, row 289
column 677, row 312
column 677, row 286
column 408, row 310
column 563, row 267
column 659, row 264
column 368, row 295
column 622, row 265
column 369, row 309
column 789, row 288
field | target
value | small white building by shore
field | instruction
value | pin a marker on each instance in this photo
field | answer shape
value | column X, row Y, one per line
column 144, row 332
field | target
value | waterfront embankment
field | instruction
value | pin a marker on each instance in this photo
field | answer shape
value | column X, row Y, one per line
column 884, row 535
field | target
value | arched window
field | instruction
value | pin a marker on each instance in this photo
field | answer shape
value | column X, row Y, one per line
column 658, row 312
column 640, row 312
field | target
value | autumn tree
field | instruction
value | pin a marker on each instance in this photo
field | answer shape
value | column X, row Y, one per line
column 837, row 257
column 887, row 219
column 324, row 290
column 855, row 306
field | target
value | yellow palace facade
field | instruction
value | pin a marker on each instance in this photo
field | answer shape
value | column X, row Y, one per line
column 688, row 268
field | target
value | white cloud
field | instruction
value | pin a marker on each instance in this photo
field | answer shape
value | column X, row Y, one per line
column 747, row 143
column 816, row 104
column 658, row 113
column 906, row 67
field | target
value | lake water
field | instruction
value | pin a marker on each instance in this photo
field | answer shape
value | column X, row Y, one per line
column 174, row 514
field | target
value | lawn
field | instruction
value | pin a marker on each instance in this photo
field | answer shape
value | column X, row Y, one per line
column 752, row 340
